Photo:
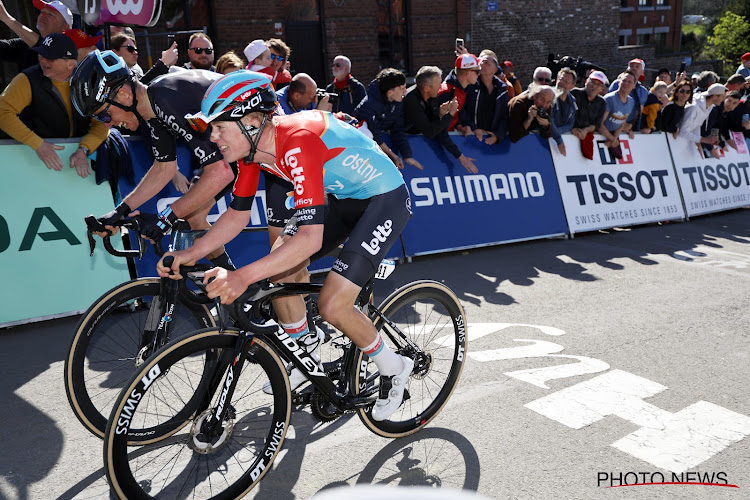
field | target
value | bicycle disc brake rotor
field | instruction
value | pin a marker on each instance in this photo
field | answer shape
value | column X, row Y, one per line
column 206, row 444
column 422, row 366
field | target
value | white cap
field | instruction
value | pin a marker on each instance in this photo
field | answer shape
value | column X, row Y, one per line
column 598, row 75
column 59, row 7
column 254, row 49
column 716, row 89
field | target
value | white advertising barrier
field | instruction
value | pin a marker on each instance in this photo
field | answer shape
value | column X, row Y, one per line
column 606, row 192
column 710, row 185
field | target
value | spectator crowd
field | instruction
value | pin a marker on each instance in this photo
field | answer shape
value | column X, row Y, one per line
column 479, row 97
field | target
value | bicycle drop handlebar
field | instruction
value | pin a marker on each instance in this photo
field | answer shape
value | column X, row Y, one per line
column 132, row 224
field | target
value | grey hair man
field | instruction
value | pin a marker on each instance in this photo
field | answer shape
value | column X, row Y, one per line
column 350, row 91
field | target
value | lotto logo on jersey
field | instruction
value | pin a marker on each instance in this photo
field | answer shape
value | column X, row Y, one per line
column 298, row 178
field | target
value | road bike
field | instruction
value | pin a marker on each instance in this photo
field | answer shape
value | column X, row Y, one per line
column 126, row 325
column 207, row 429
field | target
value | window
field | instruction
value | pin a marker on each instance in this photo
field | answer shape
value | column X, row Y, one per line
column 644, row 39
column 660, row 39
column 644, row 3
column 662, row 3
column 622, row 41
column 393, row 44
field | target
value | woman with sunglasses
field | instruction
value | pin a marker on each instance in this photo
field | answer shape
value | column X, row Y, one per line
column 672, row 114
column 280, row 53
column 123, row 44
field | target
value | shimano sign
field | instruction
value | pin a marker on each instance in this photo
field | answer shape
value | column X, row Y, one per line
column 514, row 196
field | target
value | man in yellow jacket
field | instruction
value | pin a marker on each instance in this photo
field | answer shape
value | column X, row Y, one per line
column 36, row 105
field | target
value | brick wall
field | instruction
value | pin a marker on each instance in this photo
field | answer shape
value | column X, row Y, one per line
column 524, row 32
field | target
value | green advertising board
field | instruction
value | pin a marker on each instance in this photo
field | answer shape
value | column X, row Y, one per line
column 44, row 252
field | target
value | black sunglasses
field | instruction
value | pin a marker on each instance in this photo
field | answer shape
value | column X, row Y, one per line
column 544, row 80
column 275, row 57
column 201, row 50
column 131, row 49
column 104, row 115
column 684, row 90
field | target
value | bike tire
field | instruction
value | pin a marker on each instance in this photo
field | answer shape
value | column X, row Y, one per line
column 430, row 314
column 101, row 354
column 172, row 467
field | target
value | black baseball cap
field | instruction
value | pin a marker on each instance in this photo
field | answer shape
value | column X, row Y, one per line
column 57, row 46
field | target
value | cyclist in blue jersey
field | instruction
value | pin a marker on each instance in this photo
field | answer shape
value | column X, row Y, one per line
column 368, row 203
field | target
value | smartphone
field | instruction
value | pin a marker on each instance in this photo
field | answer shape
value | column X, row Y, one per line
column 745, row 117
column 459, row 44
column 170, row 40
column 452, row 93
column 682, row 67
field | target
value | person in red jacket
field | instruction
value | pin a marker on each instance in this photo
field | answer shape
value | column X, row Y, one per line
column 465, row 73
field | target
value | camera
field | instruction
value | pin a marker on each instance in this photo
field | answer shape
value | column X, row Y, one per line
column 542, row 113
column 332, row 98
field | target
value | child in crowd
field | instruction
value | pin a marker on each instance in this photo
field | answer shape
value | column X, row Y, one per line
column 655, row 102
column 259, row 57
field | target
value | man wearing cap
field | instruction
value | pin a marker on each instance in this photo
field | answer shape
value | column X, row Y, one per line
column 200, row 52
column 36, row 105
column 697, row 113
column 744, row 67
column 510, row 78
column 639, row 93
column 54, row 17
column 485, row 112
column 84, row 43
column 590, row 112
column 464, row 73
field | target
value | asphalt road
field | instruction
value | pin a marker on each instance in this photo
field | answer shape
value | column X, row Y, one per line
column 609, row 359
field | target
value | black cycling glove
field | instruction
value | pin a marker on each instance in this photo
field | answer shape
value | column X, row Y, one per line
column 156, row 226
column 120, row 212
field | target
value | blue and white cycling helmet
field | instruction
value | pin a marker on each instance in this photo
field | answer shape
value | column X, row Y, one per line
column 233, row 96
column 98, row 76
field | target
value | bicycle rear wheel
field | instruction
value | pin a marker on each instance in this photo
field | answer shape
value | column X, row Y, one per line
column 176, row 467
column 430, row 315
column 102, row 352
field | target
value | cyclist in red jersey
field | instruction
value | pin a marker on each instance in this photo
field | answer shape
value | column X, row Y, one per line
column 368, row 203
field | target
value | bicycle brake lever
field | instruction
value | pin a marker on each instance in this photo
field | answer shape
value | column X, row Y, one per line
column 93, row 225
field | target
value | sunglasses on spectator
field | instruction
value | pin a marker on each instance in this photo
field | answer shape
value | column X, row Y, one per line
column 201, row 50
column 337, row 65
column 684, row 90
column 130, row 48
column 544, row 80
column 104, row 115
column 274, row 57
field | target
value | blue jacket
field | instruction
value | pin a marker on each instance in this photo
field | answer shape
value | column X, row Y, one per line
column 485, row 110
column 563, row 117
column 284, row 102
column 381, row 117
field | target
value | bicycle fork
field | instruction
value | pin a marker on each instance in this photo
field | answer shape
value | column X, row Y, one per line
column 213, row 426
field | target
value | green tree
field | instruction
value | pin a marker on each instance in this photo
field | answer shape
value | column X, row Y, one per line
column 729, row 39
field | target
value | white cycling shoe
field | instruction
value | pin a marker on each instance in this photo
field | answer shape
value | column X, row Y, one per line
column 392, row 391
column 311, row 342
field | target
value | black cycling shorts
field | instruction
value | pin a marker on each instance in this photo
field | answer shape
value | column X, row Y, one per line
column 372, row 226
column 279, row 200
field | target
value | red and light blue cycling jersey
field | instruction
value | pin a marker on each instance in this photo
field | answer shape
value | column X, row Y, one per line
column 319, row 154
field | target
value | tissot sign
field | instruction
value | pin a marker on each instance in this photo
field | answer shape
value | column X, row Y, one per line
column 133, row 12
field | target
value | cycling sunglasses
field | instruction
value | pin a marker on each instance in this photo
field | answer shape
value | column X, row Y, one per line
column 131, row 49
column 104, row 116
column 201, row 50
column 197, row 122
column 274, row 57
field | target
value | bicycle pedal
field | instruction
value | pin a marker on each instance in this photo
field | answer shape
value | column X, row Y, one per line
column 301, row 398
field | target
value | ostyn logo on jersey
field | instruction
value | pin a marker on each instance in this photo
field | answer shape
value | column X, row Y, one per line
column 362, row 166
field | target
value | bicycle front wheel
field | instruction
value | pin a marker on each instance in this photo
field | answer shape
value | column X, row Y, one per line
column 107, row 339
column 169, row 386
column 430, row 315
